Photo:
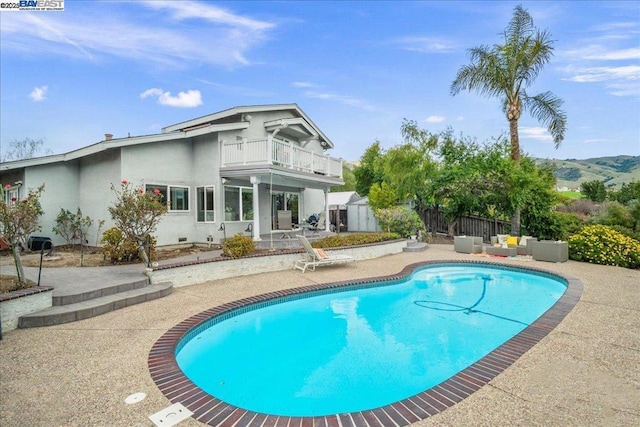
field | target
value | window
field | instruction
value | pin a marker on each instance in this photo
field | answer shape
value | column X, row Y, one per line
column 177, row 198
column 205, row 204
column 11, row 196
column 238, row 203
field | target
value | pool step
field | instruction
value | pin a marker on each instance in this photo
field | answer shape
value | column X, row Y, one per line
column 84, row 309
column 415, row 246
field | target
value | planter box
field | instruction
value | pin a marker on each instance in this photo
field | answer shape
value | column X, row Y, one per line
column 15, row 304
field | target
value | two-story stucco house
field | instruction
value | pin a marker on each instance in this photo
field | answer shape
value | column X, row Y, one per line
column 219, row 174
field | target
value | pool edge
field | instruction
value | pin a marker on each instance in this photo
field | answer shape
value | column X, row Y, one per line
column 207, row 409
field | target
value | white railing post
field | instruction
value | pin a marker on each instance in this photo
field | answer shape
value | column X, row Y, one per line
column 244, row 151
column 291, row 153
column 270, row 149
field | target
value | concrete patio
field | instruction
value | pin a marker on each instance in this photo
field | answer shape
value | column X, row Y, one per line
column 585, row 372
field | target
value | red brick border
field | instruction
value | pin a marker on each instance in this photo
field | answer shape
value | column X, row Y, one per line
column 207, row 409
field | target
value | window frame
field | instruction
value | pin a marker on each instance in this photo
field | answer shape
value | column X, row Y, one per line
column 205, row 210
column 241, row 207
column 165, row 190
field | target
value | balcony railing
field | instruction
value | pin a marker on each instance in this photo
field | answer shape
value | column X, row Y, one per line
column 274, row 151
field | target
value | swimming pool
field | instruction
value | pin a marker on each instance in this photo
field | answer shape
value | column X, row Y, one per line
column 244, row 349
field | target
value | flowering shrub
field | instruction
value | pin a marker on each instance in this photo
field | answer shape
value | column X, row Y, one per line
column 354, row 239
column 18, row 220
column 137, row 214
column 599, row 244
column 402, row 221
column 118, row 249
column 238, row 246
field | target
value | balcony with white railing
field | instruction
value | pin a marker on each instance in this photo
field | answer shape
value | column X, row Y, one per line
column 273, row 151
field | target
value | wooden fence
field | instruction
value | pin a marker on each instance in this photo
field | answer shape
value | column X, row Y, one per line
column 468, row 225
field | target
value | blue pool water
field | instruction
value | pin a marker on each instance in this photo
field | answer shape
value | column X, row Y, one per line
column 364, row 348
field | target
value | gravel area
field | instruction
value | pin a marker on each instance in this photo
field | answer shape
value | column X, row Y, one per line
column 585, row 372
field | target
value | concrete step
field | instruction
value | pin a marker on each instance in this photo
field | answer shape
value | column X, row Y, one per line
column 57, row 315
column 415, row 246
column 73, row 298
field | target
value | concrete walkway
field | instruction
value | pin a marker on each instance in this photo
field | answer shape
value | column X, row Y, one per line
column 585, row 372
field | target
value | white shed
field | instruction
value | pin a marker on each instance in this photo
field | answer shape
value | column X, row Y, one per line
column 360, row 216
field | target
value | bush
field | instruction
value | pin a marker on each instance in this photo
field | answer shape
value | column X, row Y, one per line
column 118, row 249
column 626, row 231
column 238, row 246
column 553, row 225
column 400, row 220
column 599, row 244
column 354, row 239
column 614, row 213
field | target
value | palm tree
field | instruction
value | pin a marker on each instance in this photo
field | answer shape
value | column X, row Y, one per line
column 506, row 71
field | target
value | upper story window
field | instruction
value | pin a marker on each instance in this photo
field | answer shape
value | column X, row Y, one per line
column 176, row 197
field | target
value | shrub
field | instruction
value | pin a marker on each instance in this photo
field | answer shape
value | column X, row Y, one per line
column 119, row 249
column 599, row 244
column 400, row 220
column 238, row 246
column 614, row 213
column 354, row 239
column 553, row 226
column 626, row 231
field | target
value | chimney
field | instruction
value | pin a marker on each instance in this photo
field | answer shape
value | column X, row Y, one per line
column 108, row 136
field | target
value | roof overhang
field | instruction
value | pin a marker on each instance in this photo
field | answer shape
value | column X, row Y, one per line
column 119, row 143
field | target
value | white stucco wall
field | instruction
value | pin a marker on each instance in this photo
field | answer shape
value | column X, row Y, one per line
column 62, row 182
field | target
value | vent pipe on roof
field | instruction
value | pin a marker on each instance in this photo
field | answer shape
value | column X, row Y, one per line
column 108, row 136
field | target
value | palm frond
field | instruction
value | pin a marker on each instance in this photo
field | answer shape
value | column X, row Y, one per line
column 546, row 108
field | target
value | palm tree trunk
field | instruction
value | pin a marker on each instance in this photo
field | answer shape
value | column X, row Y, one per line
column 515, row 156
column 515, row 140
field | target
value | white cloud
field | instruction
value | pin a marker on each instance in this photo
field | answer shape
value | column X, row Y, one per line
column 536, row 133
column 459, row 118
column 222, row 38
column 37, row 94
column 426, row 44
column 217, row 15
column 188, row 99
column 303, row 84
column 435, row 119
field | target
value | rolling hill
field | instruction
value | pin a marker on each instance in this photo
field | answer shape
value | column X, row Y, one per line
column 614, row 171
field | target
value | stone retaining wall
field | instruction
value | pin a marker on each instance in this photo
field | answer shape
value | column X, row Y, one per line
column 202, row 271
column 25, row 301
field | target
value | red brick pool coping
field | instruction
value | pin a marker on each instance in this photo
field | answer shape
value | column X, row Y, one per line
column 209, row 410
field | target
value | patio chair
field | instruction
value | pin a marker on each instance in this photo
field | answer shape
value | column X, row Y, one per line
column 318, row 257
column 285, row 225
column 318, row 226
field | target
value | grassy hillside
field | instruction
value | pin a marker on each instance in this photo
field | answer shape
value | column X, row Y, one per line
column 612, row 170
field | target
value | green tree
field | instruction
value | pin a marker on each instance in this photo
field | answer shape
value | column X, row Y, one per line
column 137, row 214
column 25, row 149
column 627, row 192
column 368, row 171
column 594, row 190
column 382, row 196
column 349, row 179
column 18, row 219
column 505, row 71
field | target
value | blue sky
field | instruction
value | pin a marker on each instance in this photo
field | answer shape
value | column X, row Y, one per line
column 356, row 68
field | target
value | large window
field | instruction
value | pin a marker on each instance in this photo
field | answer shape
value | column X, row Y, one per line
column 238, row 204
column 11, row 196
column 176, row 197
column 205, row 204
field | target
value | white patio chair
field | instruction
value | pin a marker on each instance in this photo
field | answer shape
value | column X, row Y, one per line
column 317, row 257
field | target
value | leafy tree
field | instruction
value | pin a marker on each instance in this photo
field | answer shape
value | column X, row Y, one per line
column 594, row 190
column 25, row 149
column 74, row 227
column 137, row 213
column 382, row 196
column 400, row 220
column 349, row 179
column 368, row 171
column 408, row 167
column 18, row 219
column 627, row 192
column 505, row 71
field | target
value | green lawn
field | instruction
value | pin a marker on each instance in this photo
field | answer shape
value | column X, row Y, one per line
column 571, row 194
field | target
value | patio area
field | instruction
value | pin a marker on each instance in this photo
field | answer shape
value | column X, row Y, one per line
column 583, row 373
